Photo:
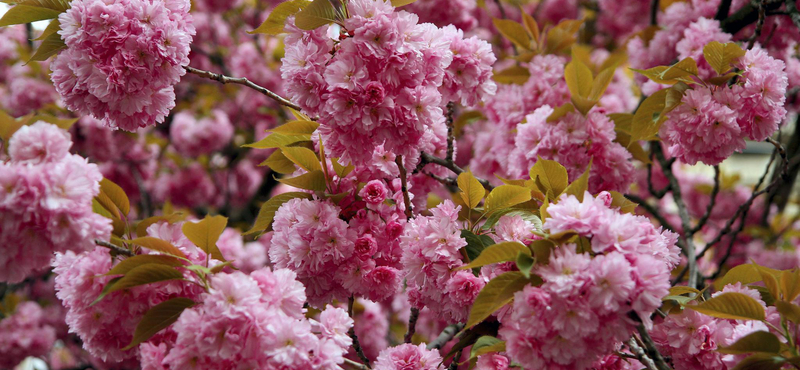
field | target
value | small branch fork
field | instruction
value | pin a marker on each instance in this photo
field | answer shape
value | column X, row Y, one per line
column 356, row 343
column 117, row 249
column 241, row 81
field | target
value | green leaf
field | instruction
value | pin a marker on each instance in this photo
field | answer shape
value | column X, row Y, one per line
column 789, row 311
column 580, row 186
column 496, row 253
column 8, row 126
column 204, row 234
column 759, row 341
column 267, row 212
column 315, row 15
column 619, row 201
column 647, row 120
column 22, row 13
column 541, row 250
column 486, row 344
column 302, row 157
column 552, row 175
column 532, row 27
column 736, row 306
column 761, row 361
column 769, row 281
column 146, row 274
column 277, row 18
column 158, row 245
column 600, row 83
column 106, row 290
column 314, row 180
column 525, row 263
column 399, row 3
column 560, row 111
column 476, row 244
column 113, row 198
column 790, row 284
column 514, row 32
column 298, row 127
column 679, row 290
column 277, row 140
column 684, row 68
column 52, row 27
column 622, row 121
column 513, row 75
column 721, row 56
column 49, row 47
column 505, row 196
column 279, row 163
column 579, row 79
column 472, row 191
column 157, row 318
column 495, row 294
column 130, row 263
column 745, row 274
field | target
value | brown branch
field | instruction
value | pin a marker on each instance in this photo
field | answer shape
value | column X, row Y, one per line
column 649, row 346
column 352, row 333
column 651, row 210
column 115, row 248
column 426, row 158
column 404, row 186
column 241, row 81
column 723, row 10
column 639, row 354
column 748, row 14
column 445, row 336
column 704, row 219
column 654, row 12
column 412, row 325
column 762, row 14
column 683, row 213
column 450, row 137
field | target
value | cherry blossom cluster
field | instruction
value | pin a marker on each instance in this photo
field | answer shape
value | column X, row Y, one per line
column 431, row 254
column 580, row 312
column 574, row 140
column 45, row 201
column 384, row 79
column 107, row 325
column 691, row 339
column 25, row 332
column 408, row 356
column 713, row 121
column 341, row 251
column 194, row 137
column 254, row 321
column 123, row 59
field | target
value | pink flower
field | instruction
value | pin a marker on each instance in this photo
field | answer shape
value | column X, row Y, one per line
column 24, row 332
column 123, row 59
column 374, row 192
column 408, row 357
column 194, row 137
column 39, row 143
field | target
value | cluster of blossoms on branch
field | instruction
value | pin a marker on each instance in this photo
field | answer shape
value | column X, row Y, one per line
column 122, row 59
column 45, row 201
column 382, row 78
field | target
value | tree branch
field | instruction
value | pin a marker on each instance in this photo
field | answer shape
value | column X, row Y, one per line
column 404, row 187
column 762, row 14
column 723, row 10
column 412, row 325
column 115, row 248
column 241, row 81
column 704, row 219
column 450, row 137
column 654, row 12
column 352, row 333
column 445, row 336
column 426, row 158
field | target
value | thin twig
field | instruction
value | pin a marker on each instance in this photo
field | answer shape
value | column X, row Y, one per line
column 114, row 248
column 412, row 325
column 762, row 14
column 723, row 10
column 426, row 158
column 651, row 210
column 404, row 186
column 357, row 365
column 445, row 336
column 456, row 358
column 654, row 12
column 450, row 137
column 639, row 354
column 683, row 213
column 502, row 9
column 704, row 219
column 242, row 81
column 649, row 346
column 352, row 333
